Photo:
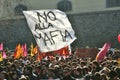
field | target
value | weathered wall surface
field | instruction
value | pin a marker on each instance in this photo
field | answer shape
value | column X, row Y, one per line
column 15, row 31
column 92, row 29
column 7, row 7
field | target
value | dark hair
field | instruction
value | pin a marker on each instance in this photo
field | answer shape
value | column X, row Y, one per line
column 96, row 76
column 104, row 77
column 29, row 68
column 95, row 63
column 113, row 74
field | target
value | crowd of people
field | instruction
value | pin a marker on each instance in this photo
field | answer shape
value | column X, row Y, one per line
column 60, row 68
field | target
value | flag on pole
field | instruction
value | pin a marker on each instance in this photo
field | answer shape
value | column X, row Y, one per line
column 35, row 50
column 18, row 51
column 1, row 58
column 1, row 46
column 2, row 51
column 4, row 54
column 25, row 53
column 100, row 56
column 31, row 49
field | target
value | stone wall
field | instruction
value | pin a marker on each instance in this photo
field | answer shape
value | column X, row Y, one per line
column 92, row 29
column 96, row 28
column 15, row 31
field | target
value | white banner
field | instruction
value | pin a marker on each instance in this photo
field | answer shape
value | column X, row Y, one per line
column 51, row 29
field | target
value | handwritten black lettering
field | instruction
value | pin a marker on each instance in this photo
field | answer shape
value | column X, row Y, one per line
column 50, row 15
column 38, row 36
column 43, row 17
column 42, row 26
column 63, row 38
column 51, row 36
column 46, row 38
column 43, row 20
column 67, row 34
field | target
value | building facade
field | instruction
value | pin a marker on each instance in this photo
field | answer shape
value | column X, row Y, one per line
column 13, row 8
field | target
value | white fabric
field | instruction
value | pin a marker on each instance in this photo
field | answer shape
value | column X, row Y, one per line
column 51, row 29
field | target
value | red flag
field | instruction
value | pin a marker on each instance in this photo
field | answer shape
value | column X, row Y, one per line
column 64, row 51
column 100, row 56
column 119, row 38
column 1, row 46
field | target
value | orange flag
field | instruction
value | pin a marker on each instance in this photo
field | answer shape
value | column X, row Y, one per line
column 39, row 56
column 18, row 51
column 65, row 52
column 35, row 50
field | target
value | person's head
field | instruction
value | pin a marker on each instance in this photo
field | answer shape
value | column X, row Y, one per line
column 3, row 75
column 113, row 75
column 117, row 69
column 57, row 58
column 104, row 77
column 23, row 77
column 51, row 73
column 38, row 69
column 1, row 68
column 66, row 71
column 80, row 70
column 115, row 63
column 83, row 63
column 95, row 64
column 28, row 70
column 13, row 75
column 96, row 76
column 75, row 71
column 85, row 70
column 13, row 67
column 105, row 70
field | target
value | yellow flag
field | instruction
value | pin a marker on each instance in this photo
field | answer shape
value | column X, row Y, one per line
column 31, row 49
column 1, row 58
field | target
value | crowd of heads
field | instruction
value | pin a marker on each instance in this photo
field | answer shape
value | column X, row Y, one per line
column 60, row 68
